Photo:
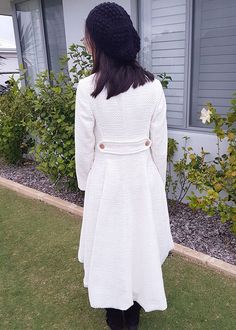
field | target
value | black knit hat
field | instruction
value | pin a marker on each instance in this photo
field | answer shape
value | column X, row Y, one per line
column 112, row 31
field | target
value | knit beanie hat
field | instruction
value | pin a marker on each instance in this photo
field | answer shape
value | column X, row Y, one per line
column 112, row 31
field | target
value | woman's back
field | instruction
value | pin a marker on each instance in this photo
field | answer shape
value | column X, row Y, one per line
column 136, row 115
column 121, row 158
column 127, row 115
column 121, row 154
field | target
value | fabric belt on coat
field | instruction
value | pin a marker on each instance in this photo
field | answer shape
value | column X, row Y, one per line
column 124, row 147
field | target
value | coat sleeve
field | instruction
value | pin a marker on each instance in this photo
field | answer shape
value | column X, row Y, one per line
column 159, row 136
column 83, row 135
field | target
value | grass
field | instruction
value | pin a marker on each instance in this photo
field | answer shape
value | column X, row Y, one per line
column 41, row 279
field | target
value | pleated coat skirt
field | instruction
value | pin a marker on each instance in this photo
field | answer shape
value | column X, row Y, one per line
column 121, row 160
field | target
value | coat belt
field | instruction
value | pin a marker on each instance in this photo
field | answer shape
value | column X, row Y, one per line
column 125, row 146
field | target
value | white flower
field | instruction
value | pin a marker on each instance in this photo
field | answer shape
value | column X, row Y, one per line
column 205, row 115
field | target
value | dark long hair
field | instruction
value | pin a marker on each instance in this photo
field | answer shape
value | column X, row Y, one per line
column 116, row 76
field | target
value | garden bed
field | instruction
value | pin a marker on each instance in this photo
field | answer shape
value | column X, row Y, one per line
column 194, row 229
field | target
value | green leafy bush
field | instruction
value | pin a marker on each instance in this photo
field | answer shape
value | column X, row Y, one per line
column 51, row 126
column 52, row 120
column 215, row 179
column 180, row 186
column 15, row 110
column 81, row 60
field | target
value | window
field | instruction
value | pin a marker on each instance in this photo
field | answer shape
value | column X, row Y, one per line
column 54, row 32
column 164, row 45
column 30, row 31
column 213, row 75
column 193, row 41
column 40, row 29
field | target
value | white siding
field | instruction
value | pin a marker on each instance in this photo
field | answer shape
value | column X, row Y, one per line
column 167, row 38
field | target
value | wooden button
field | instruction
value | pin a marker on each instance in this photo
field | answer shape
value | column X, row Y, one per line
column 147, row 143
column 101, row 145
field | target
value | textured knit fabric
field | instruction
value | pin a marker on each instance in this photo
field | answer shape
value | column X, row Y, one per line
column 112, row 30
column 125, row 234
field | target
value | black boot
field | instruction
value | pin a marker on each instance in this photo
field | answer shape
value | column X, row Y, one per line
column 132, row 327
column 132, row 316
column 115, row 318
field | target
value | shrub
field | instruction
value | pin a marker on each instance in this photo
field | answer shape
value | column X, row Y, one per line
column 180, row 186
column 51, row 126
column 15, row 110
column 216, row 179
column 52, row 122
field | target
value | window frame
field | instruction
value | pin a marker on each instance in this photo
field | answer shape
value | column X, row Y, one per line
column 189, row 76
column 17, row 35
column 145, row 58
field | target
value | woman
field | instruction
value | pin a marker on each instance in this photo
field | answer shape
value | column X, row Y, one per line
column 121, row 158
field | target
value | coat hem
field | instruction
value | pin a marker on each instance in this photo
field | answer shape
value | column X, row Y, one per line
column 146, row 309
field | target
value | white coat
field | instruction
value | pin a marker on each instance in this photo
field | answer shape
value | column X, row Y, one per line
column 121, row 160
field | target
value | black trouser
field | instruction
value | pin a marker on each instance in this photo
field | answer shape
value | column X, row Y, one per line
column 114, row 317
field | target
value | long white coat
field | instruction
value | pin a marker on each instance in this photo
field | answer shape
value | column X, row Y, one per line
column 121, row 160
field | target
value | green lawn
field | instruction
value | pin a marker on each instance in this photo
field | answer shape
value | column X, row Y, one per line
column 41, row 279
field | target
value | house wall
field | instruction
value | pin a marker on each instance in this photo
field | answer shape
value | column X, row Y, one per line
column 163, row 28
column 196, row 140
